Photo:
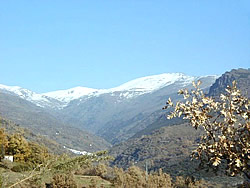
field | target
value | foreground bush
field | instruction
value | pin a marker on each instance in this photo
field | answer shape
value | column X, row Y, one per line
column 1, row 180
column 137, row 178
column 21, row 167
column 63, row 181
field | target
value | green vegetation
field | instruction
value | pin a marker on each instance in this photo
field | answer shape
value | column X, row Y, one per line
column 32, row 170
column 167, row 148
column 22, row 150
column 11, row 128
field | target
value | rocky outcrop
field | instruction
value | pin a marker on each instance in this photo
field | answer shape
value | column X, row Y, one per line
column 241, row 76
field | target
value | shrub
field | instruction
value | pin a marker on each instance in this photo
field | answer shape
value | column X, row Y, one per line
column 64, row 181
column 159, row 180
column 100, row 170
column 6, row 164
column 1, row 180
column 21, row 167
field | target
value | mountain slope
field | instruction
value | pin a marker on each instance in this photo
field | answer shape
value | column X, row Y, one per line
column 116, row 116
column 241, row 76
column 12, row 128
column 41, row 121
column 164, row 148
column 35, row 98
column 168, row 148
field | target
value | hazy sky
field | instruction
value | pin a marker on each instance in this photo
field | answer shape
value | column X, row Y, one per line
column 48, row 45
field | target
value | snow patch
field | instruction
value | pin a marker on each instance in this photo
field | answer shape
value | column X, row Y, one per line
column 77, row 151
column 151, row 83
column 70, row 94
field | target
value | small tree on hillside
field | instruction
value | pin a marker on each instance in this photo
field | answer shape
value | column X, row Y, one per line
column 226, row 125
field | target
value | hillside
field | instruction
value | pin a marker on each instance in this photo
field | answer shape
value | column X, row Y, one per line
column 125, row 116
column 44, row 122
column 12, row 128
column 168, row 148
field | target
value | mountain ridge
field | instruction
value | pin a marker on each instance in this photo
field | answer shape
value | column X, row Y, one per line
column 61, row 98
column 141, row 85
column 126, row 109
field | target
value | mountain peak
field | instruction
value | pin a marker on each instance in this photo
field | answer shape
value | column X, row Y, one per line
column 151, row 83
column 70, row 94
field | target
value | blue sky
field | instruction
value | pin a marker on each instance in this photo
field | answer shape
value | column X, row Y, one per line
column 49, row 45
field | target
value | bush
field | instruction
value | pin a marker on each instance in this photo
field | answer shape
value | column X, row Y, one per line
column 64, row 181
column 1, row 180
column 6, row 164
column 100, row 170
column 21, row 167
column 94, row 170
column 133, row 177
column 159, row 180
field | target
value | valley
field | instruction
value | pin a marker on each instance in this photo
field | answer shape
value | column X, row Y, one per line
column 128, row 121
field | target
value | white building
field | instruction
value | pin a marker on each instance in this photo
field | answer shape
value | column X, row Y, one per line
column 9, row 157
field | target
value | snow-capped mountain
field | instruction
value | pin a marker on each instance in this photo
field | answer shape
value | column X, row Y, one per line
column 61, row 98
column 130, row 89
column 116, row 113
column 38, row 99
column 120, row 112
column 152, row 83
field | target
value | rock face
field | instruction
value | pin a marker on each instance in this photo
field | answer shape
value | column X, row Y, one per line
column 241, row 76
